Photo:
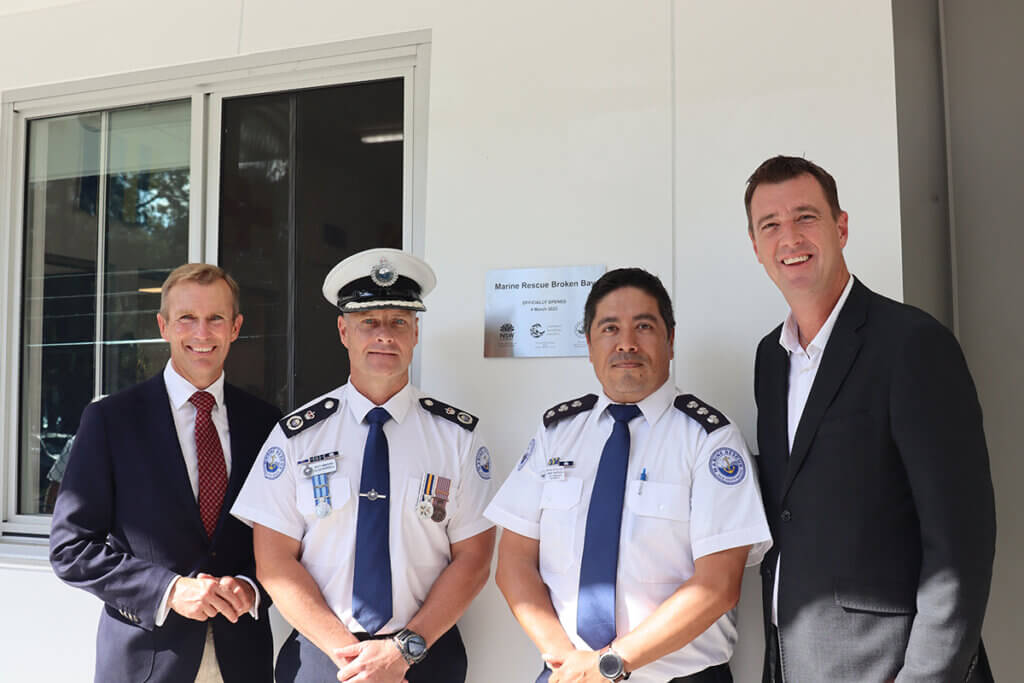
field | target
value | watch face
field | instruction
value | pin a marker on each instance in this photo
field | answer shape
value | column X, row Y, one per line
column 416, row 646
column 610, row 665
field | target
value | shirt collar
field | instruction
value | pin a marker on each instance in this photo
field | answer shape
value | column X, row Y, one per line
column 397, row 406
column 180, row 390
column 789, row 338
column 653, row 406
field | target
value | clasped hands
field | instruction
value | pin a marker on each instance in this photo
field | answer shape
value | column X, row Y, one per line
column 574, row 666
column 206, row 596
column 376, row 661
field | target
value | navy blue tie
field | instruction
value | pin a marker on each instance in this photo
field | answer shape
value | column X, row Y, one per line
column 371, row 583
column 595, row 611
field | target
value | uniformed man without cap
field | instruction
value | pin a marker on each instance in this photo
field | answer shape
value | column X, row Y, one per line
column 631, row 516
column 367, row 502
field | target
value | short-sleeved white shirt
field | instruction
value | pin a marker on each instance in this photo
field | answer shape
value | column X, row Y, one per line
column 419, row 443
column 675, row 510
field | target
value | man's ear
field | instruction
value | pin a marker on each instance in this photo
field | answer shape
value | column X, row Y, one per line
column 236, row 327
column 342, row 330
column 162, row 324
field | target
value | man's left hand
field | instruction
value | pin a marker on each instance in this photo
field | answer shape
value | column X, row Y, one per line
column 578, row 666
column 373, row 661
column 239, row 594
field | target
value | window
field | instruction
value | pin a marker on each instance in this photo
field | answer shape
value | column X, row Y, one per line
column 106, row 219
column 274, row 165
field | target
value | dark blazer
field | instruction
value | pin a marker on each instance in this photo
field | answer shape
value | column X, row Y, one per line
column 126, row 522
column 884, row 511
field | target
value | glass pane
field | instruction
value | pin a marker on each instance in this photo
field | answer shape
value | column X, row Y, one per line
column 307, row 178
column 144, row 201
column 59, row 289
column 348, row 197
column 146, row 235
column 255, row 201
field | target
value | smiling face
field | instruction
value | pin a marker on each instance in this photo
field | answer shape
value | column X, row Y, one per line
column 199, row 327
column 798, row 241
column 630, row 346
column 380, row 345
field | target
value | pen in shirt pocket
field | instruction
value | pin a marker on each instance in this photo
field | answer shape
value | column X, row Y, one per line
column 643, row 478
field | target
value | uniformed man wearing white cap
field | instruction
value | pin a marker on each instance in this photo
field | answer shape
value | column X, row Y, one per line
column 367, row 502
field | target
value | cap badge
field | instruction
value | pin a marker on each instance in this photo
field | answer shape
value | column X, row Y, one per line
column 383, row 273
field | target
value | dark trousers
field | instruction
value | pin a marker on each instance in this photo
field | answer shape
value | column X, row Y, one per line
column 772, row 657
column 713, row 674
column 300, row 661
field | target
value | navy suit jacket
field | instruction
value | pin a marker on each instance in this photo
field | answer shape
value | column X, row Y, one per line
column 126, row 522
column 883, row 511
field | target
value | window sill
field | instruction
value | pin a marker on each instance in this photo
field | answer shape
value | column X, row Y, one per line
column 31, row 554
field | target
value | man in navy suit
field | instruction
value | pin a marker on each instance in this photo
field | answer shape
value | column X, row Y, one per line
column 142, row 518
column 874, row 470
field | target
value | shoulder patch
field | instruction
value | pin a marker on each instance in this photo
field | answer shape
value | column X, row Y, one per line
column 450, row 413
column 555, row 414
column 307, row 417
column 709, row 418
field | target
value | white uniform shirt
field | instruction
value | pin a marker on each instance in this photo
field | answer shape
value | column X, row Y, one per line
column 675, row 511
column 419, row 443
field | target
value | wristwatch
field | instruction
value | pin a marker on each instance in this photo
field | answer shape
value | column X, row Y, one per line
column 412, row 646
column 611, row 666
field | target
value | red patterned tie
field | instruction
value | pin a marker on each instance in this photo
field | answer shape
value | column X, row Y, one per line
column 213, row 474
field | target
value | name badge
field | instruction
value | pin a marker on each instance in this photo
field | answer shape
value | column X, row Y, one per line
column 323, row 467
column 553, row 473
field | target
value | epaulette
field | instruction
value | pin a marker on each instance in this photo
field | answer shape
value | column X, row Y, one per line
column 569, row 408
column 308, row 416
column 450, row 413
column 709, row 418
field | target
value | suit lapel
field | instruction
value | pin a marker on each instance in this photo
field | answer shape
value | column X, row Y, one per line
column 840, row 352
column 168, row 458
column 773, row 411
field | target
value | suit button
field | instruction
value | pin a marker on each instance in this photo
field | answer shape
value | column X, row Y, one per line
column 786, row 515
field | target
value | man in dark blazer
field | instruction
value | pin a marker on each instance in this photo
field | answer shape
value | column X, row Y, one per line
column 142, row 518
column 874, row 470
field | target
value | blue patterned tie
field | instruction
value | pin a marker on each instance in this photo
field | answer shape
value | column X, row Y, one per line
column 595, row 611
column 371, row 584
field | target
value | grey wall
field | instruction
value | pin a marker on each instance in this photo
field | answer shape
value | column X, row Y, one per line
column 976, row 286
column 985, row 55
column 924, row 208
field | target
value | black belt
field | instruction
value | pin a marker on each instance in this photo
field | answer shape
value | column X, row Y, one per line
column 719, row 673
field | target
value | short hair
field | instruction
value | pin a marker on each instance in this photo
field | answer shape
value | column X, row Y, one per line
column 628, row 277
column 201, row 273
column 779, row 169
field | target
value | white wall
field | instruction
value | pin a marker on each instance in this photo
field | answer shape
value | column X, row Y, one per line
column 559, row 133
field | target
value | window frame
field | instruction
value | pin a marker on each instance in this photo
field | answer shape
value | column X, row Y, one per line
column 206, row 84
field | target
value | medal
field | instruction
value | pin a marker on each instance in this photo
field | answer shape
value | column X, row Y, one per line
column 318, row 468
column 434, row 492
column 321, row 495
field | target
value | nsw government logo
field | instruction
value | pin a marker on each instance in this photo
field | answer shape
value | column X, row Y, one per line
column 506, row 332
column 727, row 466
column 273, row 463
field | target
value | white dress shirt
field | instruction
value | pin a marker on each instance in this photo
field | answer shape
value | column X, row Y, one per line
column 803, row 368
column 179, row 391
column 675, row 511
